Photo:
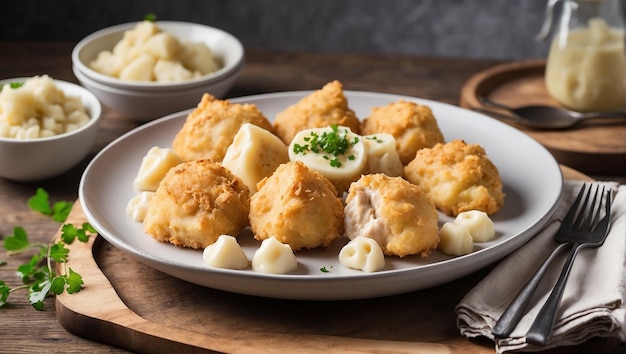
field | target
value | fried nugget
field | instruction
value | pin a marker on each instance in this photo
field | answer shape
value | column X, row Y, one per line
column 413, row 126
column 212, row 126
column 298, row 206
column 319, row 109
column 458, row 177
column 394, row 212
column 195, row 203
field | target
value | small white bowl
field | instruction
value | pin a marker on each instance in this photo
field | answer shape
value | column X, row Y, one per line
column 143, row 107
column 221, row 43
column 42, row 158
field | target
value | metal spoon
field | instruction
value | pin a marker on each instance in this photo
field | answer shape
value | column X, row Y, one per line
column 547, row 117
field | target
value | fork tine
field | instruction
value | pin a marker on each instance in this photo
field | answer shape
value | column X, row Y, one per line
column 596, row 217
column 606, row 220
column 587, row 218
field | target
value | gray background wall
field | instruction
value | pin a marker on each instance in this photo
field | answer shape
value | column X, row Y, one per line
column 493, row 29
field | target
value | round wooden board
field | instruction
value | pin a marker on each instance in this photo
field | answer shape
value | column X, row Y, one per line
column 592, row 147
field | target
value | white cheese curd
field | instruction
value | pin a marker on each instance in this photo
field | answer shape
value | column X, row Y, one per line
column 39, row 109
column 254, row 154
column 455, row 240
column 274, row 257
column 345, row 166
column 137, row 207
column 362, row 253
column 478, row 223
column 146, row 53
column 155, row 164
column 382, row 156
column 226, row 253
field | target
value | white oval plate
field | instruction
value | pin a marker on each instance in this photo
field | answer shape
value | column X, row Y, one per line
column 531, row 177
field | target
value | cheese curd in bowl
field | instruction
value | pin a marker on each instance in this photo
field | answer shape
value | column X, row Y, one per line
column 148, row 53
column 37, row 108
column 47, row 126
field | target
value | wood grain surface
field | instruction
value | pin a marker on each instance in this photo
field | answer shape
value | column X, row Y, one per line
column 139, row 292
column 594, row 147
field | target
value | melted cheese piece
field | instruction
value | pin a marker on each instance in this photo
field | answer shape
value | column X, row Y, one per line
column 352, row 161
column 153, row 168
column 225, row 252
column 455, row 240
column 478, row 224
column 382, row 156
column 274, row 257
column 362, row 253
column 137, row 207
column 254, row 154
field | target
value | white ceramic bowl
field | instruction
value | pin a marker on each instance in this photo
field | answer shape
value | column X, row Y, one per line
column 222, row 44
column 146, row 106
column 42, row 158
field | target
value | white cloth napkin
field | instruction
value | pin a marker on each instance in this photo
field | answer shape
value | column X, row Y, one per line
column 593, row 303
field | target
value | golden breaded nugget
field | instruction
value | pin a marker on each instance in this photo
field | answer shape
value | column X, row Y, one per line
column 412, row 125
column 458, row 177
column 394, row 212
column 195, row 203
column 212, row 126
column 319, row 109
column 298, row 206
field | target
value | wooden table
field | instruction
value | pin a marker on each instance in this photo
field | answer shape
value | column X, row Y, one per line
column 23, row 329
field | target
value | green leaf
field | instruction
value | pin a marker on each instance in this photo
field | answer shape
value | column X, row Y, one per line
column 58, row 285
column 31, row 270
column 85, row 231
column 74, row 281
column 68, row 233
column 38, row 293
column 60, row 210
column 40, row 202
column 4, row 293
column 59, row 253
column 17, row 241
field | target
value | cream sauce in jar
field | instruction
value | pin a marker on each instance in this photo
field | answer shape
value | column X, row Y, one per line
column 586, row 69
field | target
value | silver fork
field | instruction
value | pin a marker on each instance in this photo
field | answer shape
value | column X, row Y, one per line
column 580, row 228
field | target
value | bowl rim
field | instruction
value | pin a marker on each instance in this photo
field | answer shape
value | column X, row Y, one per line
column 94, row 116
column 84, row 79
column 149, row 85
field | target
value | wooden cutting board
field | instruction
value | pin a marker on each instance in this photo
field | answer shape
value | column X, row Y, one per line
column 132, row 306
column 593, row 147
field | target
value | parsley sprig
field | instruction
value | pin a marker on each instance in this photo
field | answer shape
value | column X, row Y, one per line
column 334, row 143
column 38, row 275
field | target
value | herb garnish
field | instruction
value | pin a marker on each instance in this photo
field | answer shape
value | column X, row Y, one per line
column 38, row 275
column 13, row 85
column 375, row 138
column 150, row 17
column 335, row 143
column 326, row 270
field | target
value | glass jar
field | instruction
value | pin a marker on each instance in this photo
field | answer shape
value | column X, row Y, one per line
column 585, row 70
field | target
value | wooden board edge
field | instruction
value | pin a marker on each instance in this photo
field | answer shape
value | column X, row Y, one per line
column 98, row 313
column 485, row 81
